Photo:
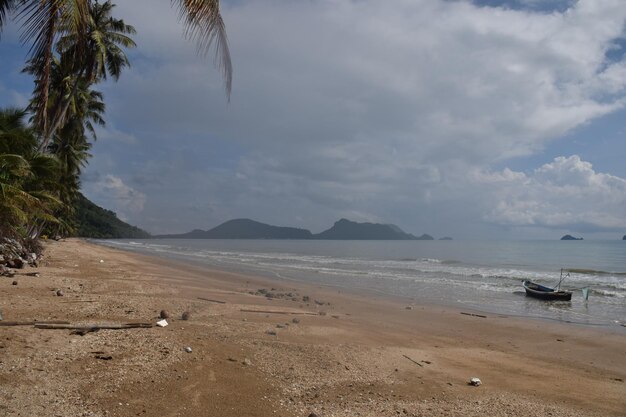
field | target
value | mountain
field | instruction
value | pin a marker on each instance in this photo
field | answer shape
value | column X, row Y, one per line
column 342, row 230
column 244, row 229
column 570, row 237
column 93, row 221
column 348, row 230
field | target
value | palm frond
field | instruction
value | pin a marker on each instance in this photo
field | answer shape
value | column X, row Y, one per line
column 204, row 25
column 6, row 7
column 12, row 165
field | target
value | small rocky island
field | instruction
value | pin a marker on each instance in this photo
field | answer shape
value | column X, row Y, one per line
column 570, row 237
column 624, row 238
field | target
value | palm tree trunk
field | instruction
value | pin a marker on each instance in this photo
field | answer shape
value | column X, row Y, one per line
column 43, row 83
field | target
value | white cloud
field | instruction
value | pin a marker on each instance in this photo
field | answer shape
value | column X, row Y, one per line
column 111, row 192
column 111, row 133
column 392, row 110
column 566, row 193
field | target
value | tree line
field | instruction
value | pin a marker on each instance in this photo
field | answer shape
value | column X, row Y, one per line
column 74, row 46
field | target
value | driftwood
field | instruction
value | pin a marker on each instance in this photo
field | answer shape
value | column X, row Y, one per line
column 414, row 361
column 31, row 323
column 211, row 301
column 474, row 315
column 245, row 310
column 79, row 301
column 88, row 328
column 92, row 327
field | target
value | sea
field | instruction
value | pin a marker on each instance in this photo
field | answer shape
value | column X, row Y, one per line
column 479, row 275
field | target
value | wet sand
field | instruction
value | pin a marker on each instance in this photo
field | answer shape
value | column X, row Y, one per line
column 332, row 354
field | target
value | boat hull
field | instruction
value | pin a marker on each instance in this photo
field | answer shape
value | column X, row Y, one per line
column 545, row 293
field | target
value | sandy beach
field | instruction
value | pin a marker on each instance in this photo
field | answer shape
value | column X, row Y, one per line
column 263, row 347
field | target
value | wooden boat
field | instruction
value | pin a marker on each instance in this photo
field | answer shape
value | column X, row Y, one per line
column 545, row 293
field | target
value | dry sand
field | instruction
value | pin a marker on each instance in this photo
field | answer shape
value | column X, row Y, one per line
column 346, row 355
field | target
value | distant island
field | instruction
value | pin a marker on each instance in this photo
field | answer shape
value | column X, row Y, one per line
column 570, row 237
column 445, row 238
column 343, row 229
column 624, row 238
column 244, row 229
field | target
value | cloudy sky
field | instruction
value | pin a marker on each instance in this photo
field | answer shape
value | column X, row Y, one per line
column 473, row 119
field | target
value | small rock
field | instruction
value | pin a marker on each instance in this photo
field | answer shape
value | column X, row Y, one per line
column 186, row 315
column 59, row 293
column 280, row 326
column 14, row 282
column 409, row 307
column 271, row 332
column 188, row 349
column 1, row 316
column 313, row 415
column 247, row 362
column 101, row 261
column 16, row 263
column 164, row 314
column 295, row 320
column 475, row 382
column 162, row 323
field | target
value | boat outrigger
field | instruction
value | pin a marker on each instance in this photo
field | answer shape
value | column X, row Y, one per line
column 546, row 293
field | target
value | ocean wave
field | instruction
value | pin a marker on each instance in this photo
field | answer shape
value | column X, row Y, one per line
column 431, row 260
column 607, row 293
column 594, row 272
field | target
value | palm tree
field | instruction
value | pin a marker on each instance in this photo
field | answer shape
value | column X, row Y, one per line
column 46, row 21
column 26, row 179
column 71, row 144
column 102, row 55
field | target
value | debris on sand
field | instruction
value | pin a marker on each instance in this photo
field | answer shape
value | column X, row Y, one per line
column 475, row 382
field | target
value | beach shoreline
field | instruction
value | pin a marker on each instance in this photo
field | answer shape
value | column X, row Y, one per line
column 335, row 353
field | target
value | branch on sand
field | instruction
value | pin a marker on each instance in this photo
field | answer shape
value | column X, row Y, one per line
column 474, row 315
column 211, row 301
column 414, row 361
column 83, row 329
column 305, row 313
column 31, row 323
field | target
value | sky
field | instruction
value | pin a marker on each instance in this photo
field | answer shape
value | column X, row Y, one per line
column 473, row 119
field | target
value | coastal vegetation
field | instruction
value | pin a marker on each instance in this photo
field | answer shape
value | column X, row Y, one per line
column 74, row 46
column 93, row 221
